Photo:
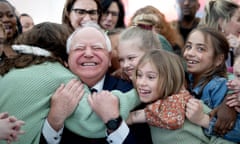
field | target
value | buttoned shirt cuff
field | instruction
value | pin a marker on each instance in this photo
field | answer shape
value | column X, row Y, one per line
column 119, row 135
column 210, row 130
column 50, row 135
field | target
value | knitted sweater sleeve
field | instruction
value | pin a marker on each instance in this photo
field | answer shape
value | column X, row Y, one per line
column 86, row 123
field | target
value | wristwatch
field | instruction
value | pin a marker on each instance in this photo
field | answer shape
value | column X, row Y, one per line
column 113, row 124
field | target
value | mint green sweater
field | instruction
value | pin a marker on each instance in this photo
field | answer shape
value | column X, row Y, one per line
column 188, row 134
column 26, row 94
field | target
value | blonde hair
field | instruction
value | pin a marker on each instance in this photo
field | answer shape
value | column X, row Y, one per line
column 170, row 70
column 216, row 10
column 147, row 38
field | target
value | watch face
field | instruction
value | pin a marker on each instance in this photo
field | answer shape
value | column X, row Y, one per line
column 114, row 123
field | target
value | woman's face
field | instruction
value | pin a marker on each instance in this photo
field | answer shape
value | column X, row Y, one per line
column 2, row 39
column 233, row 26
column 109, row 18
column 8, row 18
column 83, row 11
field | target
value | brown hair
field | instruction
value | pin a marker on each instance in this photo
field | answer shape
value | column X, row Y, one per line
column 221, row 47
column 170, row 70
column 161, row 25
column 68, row 7
column 49, row 36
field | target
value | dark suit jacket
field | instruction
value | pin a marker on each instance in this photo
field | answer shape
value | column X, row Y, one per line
column 110, row 83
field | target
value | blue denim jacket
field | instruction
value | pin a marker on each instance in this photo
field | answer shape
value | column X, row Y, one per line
column 212, row 95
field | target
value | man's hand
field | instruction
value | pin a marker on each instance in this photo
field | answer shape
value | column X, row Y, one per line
column 105, row 105
column 63, row 103
column 226, row 117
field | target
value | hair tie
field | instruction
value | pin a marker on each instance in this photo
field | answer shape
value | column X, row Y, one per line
column 26, row 49
column 144, row 26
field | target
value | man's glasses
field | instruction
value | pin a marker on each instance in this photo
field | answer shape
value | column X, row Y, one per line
column 83, row 12
column 113, row 13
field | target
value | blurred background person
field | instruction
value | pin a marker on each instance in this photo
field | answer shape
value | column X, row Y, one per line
column 26, row 21
column 188, row 19
column 77, row 12
column 113, row 13
column 160, row 25
column 9, row 20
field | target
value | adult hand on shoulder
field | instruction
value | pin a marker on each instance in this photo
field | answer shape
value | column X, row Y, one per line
column 63, row 103
column 105, row 105
column 226, row 117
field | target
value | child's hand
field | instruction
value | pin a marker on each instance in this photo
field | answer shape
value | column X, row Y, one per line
column 226, row 117
column 194, row 112
column 137, row 116
column 233, row 100
column 10, row 127
column 233, row 41
column 234, row 85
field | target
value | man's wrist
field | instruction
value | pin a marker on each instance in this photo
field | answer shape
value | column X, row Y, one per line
column 55, row 123
column 113, row 124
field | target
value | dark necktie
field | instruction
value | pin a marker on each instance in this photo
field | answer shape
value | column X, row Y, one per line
column 93, row 90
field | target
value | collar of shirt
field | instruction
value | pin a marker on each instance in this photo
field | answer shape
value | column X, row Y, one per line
column 99, row 85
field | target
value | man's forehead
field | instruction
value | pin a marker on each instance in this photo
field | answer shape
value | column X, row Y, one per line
column 88, row 32
column 89, row 35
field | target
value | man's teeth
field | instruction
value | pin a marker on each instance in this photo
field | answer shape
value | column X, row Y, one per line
column 89, row 64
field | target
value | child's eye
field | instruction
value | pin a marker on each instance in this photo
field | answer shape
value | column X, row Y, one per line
column 238, row 76
column 201, row 49
column 138, row 74
column 131, row 58
column 151, row 77
column 187, row 46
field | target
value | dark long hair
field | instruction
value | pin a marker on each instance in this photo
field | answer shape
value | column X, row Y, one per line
column 49, row 36
column 106, row 4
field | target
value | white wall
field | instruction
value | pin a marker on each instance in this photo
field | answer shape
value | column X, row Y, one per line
column 51, row 10
column 41, row 10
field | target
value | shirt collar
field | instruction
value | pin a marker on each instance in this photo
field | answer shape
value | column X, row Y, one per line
column 99, row 85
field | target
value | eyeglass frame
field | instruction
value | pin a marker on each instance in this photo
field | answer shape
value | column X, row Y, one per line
column 113, row 13
column 83, row 12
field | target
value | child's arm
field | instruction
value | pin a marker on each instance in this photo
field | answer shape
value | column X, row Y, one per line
column 137, row 116
column 166, row 113
column 233, row 100
column 194, row 112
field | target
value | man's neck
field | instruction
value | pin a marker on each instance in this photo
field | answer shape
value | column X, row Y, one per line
column 97, row 84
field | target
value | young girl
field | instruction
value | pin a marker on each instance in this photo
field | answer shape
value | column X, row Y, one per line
column 137, row 40
column 205, row 54
column 234, row 85
column 159, row 81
